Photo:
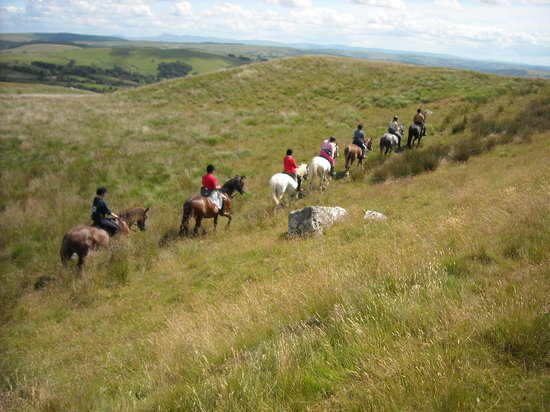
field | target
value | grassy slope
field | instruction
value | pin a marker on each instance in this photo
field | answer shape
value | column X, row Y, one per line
column 442, row 306
column 142, row 59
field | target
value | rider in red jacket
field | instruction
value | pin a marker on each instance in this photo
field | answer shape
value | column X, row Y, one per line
column 291, row 168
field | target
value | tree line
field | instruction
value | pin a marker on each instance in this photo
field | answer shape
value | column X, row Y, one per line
column 86, row 77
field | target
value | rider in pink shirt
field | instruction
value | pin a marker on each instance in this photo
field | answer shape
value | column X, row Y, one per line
column 327, row 151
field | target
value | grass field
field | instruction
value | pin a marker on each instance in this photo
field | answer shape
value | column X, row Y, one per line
column 443, row 306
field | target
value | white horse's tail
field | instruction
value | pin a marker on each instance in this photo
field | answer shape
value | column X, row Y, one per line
column 273, row 189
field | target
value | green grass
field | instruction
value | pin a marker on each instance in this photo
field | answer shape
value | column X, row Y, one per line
column 443, row 306
column 143, row 60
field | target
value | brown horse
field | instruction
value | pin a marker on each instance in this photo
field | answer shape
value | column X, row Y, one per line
column 81, row 239
column 200, row 207
column 353, row 152
column 137, row 215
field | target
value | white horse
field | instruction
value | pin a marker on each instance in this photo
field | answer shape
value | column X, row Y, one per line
column 389, row 140
column 320, row 167
column 281, row 183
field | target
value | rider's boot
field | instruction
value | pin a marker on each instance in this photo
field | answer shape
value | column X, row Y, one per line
column 300, row 188
column 332, row 171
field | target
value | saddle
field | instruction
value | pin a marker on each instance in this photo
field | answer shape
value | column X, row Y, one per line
column 205, row 192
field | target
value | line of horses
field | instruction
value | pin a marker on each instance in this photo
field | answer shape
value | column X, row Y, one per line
column 80, row 240
column 281, row 183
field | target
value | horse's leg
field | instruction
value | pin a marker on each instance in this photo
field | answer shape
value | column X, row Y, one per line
column 228, row 216
column 184, row 227
column 215, row 222
column 82, row 254
column 198, row 219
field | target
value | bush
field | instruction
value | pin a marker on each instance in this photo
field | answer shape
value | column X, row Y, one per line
column 411, row 163
column 464, row 148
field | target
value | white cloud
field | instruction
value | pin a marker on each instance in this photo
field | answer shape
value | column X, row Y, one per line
column 448, row 4
column 391, row 4
column 182, row 8
column 301, row 4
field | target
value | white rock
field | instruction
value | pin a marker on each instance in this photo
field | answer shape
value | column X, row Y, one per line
column 372, row 215
column 313, row 219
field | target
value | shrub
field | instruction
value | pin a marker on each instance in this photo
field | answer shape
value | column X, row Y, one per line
column 412, row 163
column 464, row 148
column 460, row 126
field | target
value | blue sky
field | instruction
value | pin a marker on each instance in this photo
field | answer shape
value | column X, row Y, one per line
column 501, row 30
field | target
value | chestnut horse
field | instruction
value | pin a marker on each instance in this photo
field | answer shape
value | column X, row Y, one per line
column 83, row 238
column 353, row 152
column 136, row 215
column 200, row 207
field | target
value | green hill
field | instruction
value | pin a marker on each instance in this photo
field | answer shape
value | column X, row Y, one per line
column 94, row 66
column 443, row 306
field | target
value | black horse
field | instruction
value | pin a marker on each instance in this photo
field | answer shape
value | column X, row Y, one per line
column 415, row 133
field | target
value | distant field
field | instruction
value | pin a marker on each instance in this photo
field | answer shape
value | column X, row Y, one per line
column 144, row 59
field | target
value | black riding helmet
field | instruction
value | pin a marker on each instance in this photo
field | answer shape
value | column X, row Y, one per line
column 101, row 190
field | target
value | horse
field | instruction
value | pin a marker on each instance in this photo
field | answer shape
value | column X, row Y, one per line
column 200, row 207
column 83, row 238
column 136, row 215
column 281, row 183
column 388, row 140
column 353, row 152
column 320, row 166
column 415, row 133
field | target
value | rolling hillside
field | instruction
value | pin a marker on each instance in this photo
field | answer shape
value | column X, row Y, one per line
column 100, row 63
column 443, row 306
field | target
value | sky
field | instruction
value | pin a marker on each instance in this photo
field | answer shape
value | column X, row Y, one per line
column 515, row 31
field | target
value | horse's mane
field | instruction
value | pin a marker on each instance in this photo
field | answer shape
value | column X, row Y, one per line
column 235, row 183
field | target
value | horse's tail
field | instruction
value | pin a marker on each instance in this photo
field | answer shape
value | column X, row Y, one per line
column 273, row 191
column 382, row 144
column 187, row 210
column 65, row 251
column 347, row 156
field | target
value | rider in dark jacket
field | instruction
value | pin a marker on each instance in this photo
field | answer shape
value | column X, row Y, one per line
column 99, row 210
column 359, row 139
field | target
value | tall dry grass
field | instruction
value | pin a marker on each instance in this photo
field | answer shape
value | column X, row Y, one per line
column 442, row 306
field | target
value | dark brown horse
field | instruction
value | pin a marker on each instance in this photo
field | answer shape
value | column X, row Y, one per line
column 83, row 238
column 354, row 152
column 415, row 133
column 136, row 215
column 201, row 207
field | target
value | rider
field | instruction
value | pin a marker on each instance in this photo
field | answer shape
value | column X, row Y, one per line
column 291, row 168
column 394, row 129
column 211, row 189
column 419, row 120
column 327, row 151
column 359, row 139
column 100, row 209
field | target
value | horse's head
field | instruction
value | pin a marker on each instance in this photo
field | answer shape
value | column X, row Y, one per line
column 368, row 143
column 142, row 222
column 303, row 170
column 235, row 184
column 401, row 128
column 336, row 150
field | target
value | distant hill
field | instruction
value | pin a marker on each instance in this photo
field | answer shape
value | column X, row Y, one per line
column 259, row 50
column 416, row 58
